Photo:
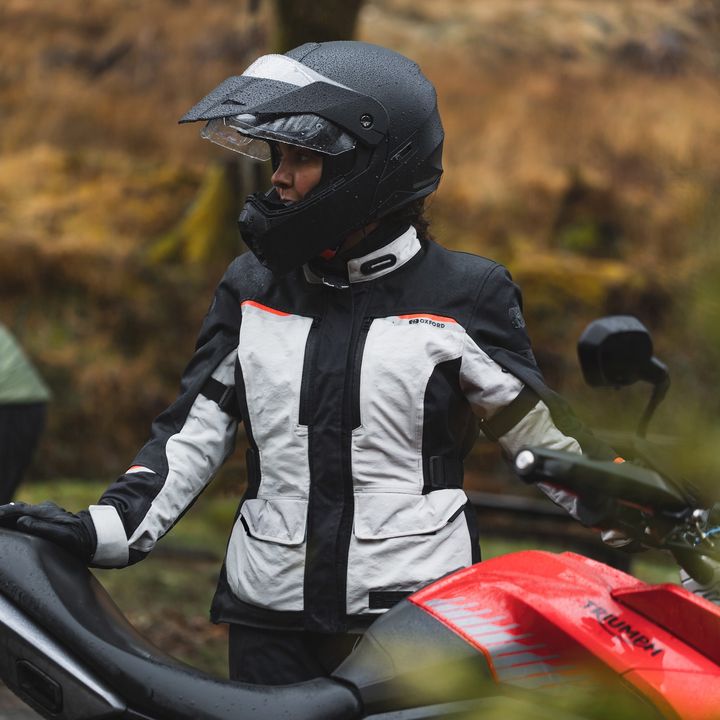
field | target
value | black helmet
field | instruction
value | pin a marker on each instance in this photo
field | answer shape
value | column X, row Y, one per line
column 370, row 112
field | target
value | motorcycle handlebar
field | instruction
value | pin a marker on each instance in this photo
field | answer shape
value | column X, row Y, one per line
column 624, row 482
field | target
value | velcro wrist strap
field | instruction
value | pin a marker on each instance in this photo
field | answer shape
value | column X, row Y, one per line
column 112, row 547
column 506, row 419
column 224, row 395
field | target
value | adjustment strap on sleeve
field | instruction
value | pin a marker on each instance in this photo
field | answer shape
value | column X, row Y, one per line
column 223, row 395
column 506, row 419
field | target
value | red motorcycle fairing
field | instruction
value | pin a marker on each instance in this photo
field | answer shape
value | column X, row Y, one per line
column 544, row 621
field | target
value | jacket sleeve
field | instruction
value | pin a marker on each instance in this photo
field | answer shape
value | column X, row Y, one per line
column 507, row 391
column 188, row 443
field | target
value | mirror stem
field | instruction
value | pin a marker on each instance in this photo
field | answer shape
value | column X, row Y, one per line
column 660, row 388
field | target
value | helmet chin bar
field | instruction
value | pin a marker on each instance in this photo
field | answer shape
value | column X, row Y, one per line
column 284, row 237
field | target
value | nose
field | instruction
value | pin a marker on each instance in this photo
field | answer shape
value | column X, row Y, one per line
column 282, row 177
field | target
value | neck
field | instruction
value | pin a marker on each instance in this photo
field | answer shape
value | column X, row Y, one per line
column 356, row 236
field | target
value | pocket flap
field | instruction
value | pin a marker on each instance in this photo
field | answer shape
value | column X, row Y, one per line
column 277, row 520
column 379, row 516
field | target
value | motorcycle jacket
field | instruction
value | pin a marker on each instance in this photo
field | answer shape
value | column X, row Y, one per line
column 360, row 401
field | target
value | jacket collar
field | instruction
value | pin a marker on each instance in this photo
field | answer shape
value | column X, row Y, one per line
column 382, row 261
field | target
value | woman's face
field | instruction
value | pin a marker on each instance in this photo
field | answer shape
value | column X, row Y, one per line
column 298, row 173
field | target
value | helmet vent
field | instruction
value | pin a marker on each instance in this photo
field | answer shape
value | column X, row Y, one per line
column 402, row 153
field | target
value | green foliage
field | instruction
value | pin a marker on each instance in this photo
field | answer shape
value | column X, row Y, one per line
column 703, row 291
column 207, row 235
column 589, row 220
column 583, row 237
column 580, row 237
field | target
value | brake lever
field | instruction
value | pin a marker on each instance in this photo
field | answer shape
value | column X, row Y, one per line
column 704, row 534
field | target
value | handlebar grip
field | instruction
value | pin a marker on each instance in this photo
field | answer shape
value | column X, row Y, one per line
column 579, row 474
column 699, row 567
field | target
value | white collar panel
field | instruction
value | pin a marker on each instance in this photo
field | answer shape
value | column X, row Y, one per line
column 379, row 262
column 386, row 259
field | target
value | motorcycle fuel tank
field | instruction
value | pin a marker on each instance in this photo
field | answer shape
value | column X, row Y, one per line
column 549, row 621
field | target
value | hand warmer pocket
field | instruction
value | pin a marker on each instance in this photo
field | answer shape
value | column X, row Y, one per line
column 428, row 532
column 275, row 520
column 266, row 556
column 380, row 516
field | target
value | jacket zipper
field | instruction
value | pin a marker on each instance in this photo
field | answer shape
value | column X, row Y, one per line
column 357, row 368
column 304, row 412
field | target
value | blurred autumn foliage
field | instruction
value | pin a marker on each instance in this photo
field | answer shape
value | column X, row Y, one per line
column 583, row 150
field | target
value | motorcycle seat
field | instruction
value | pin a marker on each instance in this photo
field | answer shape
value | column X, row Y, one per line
column 58, row 597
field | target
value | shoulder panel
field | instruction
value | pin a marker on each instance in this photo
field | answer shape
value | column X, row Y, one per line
column 246, row 277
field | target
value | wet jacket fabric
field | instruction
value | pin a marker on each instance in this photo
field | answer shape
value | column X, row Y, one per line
column 360, row 401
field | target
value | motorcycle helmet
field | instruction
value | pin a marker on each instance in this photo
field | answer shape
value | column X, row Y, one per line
column 369, row 111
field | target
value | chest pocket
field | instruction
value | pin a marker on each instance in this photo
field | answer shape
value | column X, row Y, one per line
column 272, row 353
column 398, row 358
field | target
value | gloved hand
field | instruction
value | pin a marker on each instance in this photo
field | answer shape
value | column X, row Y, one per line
column 73, row 532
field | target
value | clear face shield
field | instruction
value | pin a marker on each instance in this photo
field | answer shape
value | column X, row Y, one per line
column 248, row 135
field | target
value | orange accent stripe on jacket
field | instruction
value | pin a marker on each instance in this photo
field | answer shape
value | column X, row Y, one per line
column 259, row 306
column 139, row 468
column 437, row 318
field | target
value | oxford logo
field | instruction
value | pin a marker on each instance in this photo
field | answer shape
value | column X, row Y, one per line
column 426, row 321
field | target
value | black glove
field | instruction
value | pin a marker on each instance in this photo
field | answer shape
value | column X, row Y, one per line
column 73, row 532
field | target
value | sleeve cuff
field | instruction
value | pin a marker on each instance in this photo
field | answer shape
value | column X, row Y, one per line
column 112, row 545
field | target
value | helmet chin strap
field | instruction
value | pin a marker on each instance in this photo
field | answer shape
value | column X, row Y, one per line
column 330, row 253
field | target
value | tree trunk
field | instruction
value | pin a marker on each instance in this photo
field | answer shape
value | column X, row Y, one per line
column 301, row 21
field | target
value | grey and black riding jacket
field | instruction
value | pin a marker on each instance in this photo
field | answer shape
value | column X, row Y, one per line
column 361, row 398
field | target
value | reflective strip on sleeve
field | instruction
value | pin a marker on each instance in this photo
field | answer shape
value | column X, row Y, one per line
column 137, row 469
column 112, row 544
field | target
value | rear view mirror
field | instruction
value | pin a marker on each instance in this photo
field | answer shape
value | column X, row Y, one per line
column 618, row 350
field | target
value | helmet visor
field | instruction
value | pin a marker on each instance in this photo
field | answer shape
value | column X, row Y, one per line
column 249, row 135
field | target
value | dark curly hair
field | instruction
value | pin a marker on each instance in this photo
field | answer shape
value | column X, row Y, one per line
column 413, row 214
